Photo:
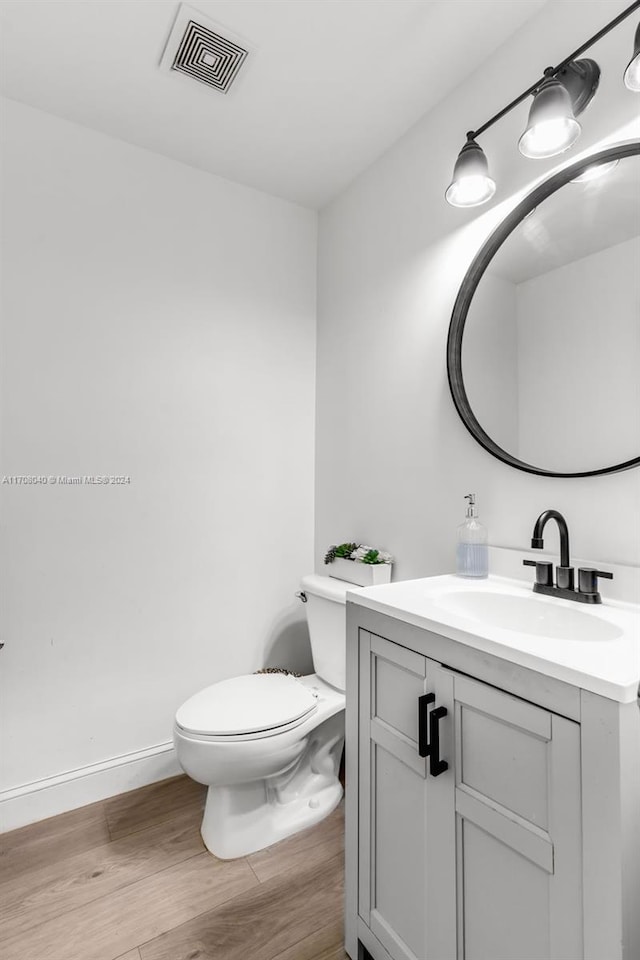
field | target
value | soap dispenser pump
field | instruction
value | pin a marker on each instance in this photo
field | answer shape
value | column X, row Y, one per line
column 472, row 554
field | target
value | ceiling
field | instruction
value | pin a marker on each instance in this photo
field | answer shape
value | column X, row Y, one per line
column 328, row 87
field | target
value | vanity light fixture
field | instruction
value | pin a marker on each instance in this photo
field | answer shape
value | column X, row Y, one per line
column 559, row 96
column 471, row 184
column 552, row 127
column 632, row 73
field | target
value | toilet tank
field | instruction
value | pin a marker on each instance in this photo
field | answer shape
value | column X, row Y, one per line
column 327, row 619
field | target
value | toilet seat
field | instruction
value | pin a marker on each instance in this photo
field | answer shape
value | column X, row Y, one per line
column 247, row 707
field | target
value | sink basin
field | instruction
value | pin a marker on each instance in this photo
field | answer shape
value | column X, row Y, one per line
column 593, row 648
column 529, row 615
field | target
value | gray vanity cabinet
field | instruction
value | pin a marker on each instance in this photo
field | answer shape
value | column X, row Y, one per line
column 516, row 776
column 402, row 819
column 481, row 861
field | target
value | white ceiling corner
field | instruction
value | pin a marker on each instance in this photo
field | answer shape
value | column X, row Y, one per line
column 329, row 84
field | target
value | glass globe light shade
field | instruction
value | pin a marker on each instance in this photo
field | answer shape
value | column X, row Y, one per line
column 471, row 184
column 552, row 127
column 632, row 73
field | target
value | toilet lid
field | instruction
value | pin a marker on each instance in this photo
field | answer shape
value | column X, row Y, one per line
column 247, row 704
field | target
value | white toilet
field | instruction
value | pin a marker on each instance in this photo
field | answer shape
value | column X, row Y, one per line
column 268, row 745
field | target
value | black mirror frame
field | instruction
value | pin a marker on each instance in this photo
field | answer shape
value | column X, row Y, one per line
column 468, row 288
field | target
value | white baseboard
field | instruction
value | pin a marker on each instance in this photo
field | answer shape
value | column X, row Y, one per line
column 30, row 802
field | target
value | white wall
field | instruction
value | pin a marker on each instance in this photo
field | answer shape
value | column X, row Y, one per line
column 158, row 323
column 393, row 459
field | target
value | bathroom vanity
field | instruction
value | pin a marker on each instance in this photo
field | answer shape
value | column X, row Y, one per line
column 493, row 756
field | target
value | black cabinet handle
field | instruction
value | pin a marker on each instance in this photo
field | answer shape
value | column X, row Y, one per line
column 423, row 723
column 436, row 765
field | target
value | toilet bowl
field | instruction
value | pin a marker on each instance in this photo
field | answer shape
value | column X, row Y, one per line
column 268, row 746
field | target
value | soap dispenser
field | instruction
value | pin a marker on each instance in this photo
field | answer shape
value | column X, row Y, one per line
column 472, row 554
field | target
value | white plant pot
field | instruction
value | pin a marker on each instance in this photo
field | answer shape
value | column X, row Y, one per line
column 362, row 574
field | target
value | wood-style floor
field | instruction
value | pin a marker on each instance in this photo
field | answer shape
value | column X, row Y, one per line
column 130, row 879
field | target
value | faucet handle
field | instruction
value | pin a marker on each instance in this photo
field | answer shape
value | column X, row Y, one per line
column 588, row 579
column 564, row 577
column 544, row 571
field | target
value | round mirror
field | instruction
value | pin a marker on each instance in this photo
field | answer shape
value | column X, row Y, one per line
column 543, row 354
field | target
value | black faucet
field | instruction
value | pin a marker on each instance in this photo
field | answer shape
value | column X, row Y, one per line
column 564, row 573
column 587, row 591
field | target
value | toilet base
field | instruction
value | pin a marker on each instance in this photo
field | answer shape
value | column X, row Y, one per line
column 228, row 840
column 240, row 819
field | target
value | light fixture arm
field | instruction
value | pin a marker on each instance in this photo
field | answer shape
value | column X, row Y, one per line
column 554, row 71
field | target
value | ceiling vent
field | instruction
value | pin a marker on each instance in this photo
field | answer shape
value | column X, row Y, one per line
column 204, row 50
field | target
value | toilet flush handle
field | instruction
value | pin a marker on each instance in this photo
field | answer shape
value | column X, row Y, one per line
column 301, row 595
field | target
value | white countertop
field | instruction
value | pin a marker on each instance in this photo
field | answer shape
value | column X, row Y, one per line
column 609, row 667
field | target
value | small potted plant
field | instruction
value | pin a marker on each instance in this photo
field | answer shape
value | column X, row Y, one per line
column 359, row 564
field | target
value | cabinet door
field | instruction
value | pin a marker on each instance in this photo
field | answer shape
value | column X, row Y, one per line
column 403, row 823
column 518, row 828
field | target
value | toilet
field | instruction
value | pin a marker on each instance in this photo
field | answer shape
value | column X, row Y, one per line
column 268, row 745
